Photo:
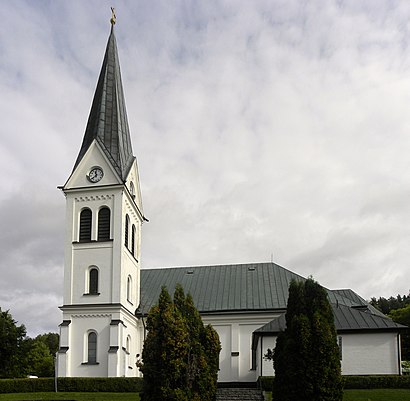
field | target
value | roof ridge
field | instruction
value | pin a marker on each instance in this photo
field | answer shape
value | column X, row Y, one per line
column 221, row 265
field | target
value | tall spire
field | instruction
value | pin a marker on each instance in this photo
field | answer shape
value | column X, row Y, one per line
column 107, row 122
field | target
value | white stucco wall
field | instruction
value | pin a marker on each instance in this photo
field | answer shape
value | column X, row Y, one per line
column 77, row 353
column 362, row 354
column 263, row 366
column 370, row 354
column 235, row 334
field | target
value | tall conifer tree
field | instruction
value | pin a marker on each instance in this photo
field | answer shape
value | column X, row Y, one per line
column 164, row 352
column 306, row 357
column 180, row 355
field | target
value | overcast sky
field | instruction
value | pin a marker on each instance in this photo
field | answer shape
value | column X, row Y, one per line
column 262, row 129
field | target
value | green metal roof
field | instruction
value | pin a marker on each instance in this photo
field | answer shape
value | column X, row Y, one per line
column 222, row 288
column 228, row 288
column 361, row 304
column 346, row 320
column 107, row 122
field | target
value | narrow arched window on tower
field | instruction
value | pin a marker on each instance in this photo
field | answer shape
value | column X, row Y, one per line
column 129, row 289
column 92, row 347
column 127, row 225
column 133, row 240
column 104, row 216
column 93, row 287
column 85, row 225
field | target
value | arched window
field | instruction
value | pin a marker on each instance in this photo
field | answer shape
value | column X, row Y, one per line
column 128, row 352
column 132, row 190
column 129, row 288
column 85, row 225
column 127, row 225
column 93, row 282
column 92, row 348
column 104, row 216
column 128, row 344
column 133, row 240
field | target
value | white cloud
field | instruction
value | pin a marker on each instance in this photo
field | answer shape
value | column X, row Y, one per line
column 260, row 128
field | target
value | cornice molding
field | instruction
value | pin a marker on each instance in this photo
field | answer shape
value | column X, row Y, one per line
column 92, row 198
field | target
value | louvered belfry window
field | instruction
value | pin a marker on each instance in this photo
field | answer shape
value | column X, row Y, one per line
column 133, row 240
column 93, row 281
column 85, row 225
column 127, row 226
column 104, row 216
column 92, row 348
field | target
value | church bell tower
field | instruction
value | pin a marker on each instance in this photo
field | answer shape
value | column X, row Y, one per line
column 100, row 335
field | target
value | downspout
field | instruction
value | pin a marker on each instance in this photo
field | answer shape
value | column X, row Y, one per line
column 145, row 329
column 139, row 313
column 399, row 353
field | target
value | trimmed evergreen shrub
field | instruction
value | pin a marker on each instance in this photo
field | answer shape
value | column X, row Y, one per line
column 26, row 385
column 73, row 384
column 374, row 382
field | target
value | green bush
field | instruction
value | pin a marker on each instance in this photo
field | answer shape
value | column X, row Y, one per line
column 374, row 382
column 355, row 382
column 26, row 385
column 265, row 383
column 73, row 384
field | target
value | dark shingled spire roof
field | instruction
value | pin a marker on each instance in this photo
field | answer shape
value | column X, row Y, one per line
column 108, row 122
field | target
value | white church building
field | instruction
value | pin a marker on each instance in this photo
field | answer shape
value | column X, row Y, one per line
column 107, row 295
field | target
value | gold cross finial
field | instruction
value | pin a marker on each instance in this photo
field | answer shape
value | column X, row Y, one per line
column 113, row 17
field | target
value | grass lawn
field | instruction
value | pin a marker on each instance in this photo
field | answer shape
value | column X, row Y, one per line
column 70, row 396
column 372, row 395
column 377, row 395
column 349, row 395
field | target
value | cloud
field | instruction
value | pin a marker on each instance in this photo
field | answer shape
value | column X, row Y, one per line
column 260, row 128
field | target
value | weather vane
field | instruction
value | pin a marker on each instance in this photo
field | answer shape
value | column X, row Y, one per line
column 113, row 16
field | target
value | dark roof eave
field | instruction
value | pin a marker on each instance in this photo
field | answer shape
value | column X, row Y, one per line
column 343, row 331
column 242, row 311
column 230, row 312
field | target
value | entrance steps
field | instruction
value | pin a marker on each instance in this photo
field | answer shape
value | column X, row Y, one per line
column 239, row 394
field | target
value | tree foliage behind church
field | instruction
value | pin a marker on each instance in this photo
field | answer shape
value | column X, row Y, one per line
column 180, row 359
column 306, row 357
column 11, row 342
column 21, row 355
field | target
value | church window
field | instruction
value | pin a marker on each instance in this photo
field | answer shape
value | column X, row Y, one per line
column 132, row 190
column 85, row 225
column 92, row 348
column 133, row 240
column 104, row 217
column 128, row 352
column 129, row 289
column 93, row 285
column 127, row 225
